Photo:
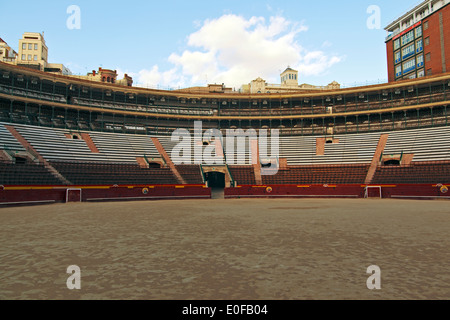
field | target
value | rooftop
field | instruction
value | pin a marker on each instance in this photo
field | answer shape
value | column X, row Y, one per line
column 416, row 14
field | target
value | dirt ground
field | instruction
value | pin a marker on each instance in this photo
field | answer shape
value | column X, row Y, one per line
column 227, row 250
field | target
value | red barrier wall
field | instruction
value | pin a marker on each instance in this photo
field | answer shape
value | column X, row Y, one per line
column 43, row 194
column 422, row 191
column 18, row 195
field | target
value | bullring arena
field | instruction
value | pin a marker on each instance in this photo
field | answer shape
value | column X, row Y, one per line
column 227, row 249
column 347, row 179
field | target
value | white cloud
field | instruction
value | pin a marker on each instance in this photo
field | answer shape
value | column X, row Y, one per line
column 234, row 50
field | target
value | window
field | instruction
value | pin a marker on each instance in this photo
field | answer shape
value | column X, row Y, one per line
column 407, row 38
column 396, row 44
column 425, row 25
column 398, row 70
column 419, row 46
column 408, row 51
column 24, row 57
column 420, row 61
column 429, row 72
column 409, row 65
column 428, row 57
column 24, row 46
column 30, row 46
column 29, row 57
column 420, row 73
column 398, row 57
column 35, row 46
column 418, row 31
column 427, row 41
column 35, row 57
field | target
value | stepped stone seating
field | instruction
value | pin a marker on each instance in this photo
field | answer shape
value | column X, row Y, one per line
column 7, row 140
column 26, row 174
column 319, row 174
column 85, row 173
column 191, row 173
column 433, row 173
column 243, row 175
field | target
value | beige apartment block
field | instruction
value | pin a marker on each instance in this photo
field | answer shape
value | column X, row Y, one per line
column 33, row 52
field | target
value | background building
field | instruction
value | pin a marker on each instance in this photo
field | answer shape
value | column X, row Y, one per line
column 7, row 54
column 289, row 83
column 418, row 43
column 33, row 52
column 107, row 76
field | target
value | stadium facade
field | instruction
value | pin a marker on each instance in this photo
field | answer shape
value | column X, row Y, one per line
column 69, row 139
column 66, row 138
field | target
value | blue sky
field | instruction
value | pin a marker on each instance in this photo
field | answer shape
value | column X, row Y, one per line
column 183, row 43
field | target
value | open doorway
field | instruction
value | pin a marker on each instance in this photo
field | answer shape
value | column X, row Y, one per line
column 216, row 181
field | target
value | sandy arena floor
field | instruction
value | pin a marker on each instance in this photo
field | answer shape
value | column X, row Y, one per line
column 227, row 249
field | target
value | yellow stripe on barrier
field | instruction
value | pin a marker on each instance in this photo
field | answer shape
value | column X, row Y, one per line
column 383, row 186
column 28, row 188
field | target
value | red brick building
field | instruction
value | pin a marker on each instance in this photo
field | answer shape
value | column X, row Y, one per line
column 418, row 43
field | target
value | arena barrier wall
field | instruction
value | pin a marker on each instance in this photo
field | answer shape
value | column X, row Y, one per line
column 404, row 191
column 30, row 195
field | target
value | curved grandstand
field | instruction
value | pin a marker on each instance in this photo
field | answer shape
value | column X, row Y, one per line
column 67, row 139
